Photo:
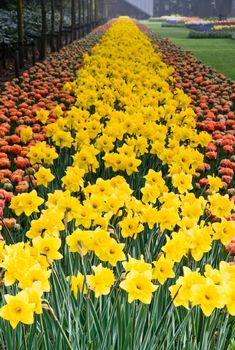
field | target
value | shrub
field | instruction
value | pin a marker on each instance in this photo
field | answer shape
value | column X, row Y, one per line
column 209, row 35
column 173, row 25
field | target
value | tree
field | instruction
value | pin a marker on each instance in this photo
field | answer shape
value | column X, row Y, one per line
column 61, row 24
column 73, row 20
column 52, row 25
column 83, row 14
column 79, row 16
column 91, row 13
column 20, row 29
column 43, row 30
column 88, row 12
column 96, row 11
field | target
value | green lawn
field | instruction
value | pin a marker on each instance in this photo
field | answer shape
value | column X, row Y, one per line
column 218, row 53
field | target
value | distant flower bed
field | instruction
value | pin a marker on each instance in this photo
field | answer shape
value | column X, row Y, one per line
column 198, row 24
column 205, row 26
column 202, row 27
column 224, row 27
column 179, row 19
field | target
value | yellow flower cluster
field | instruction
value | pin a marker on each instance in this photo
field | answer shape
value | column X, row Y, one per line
column 224, row 27
column 42, row 153
column 213, row 290
column 29, row 267
column 26, row 134
column 131, row 146
column 26, row 203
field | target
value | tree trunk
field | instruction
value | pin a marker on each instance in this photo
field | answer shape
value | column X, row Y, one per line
column 83, row 17
column 79, row 17
column 88, row 14
column 100, row 9
column 20, row 29
column 43, row 31
column 105, row 9
column 61, row 25
column 52, row 25
column 96, row 12
column 73, row 20
column 91, row 14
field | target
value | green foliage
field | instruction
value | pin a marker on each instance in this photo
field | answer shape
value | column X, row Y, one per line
column 220, row 34
column 172, row 25
column 8, row 26
column 111, row 322
column 32, row 21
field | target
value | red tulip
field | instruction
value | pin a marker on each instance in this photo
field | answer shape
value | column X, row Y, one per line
column 21, row 162
column 211, row 155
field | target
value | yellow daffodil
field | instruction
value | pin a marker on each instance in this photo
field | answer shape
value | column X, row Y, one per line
column 26, row 203
column 139, row 286
column 44, row 176
column 78, row 284
column 101, row 281
column 26, row 134
column 18, row 309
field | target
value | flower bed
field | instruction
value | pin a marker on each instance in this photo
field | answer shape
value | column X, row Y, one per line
column 114, row 229
column 224, row 27
column 213, row 100
column 211, row 26
column 40, row 87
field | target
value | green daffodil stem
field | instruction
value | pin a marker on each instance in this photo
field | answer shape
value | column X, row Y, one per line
column 8, row 231
column 24, row 337
column 52, row 314
column 133, row 328
column 63, row 333
column 43, row 330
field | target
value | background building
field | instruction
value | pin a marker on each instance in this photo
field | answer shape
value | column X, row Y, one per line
column 132, row 8
column 148, row 8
